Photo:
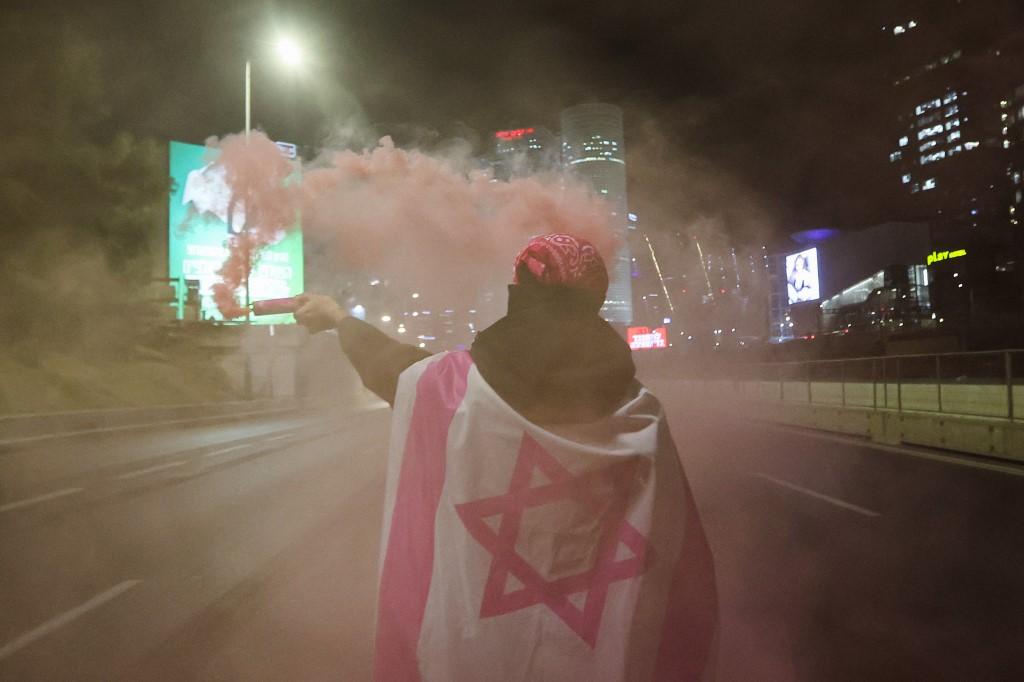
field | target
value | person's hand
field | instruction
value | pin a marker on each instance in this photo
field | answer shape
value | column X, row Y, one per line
column 317, row 313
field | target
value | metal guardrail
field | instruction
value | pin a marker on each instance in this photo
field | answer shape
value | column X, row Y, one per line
column 19, row 427
column 982, row 383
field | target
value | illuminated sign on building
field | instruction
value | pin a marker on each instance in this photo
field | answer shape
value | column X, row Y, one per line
column 513, row 134
column 802, row 276
column 642, row 338
column 936, row 256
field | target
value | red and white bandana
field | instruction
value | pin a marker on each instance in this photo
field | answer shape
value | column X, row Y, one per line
column 564, row 260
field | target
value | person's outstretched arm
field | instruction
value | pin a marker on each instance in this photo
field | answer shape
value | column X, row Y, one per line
column 377, row 357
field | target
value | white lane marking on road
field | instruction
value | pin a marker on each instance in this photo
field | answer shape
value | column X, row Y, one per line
column 283, row 435
column 39, row 498
column 158, row 467
column 63, row 619
column 232, row 448
column 819, row 496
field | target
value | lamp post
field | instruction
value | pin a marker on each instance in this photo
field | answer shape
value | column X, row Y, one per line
column 290, row 54
column 248, row 97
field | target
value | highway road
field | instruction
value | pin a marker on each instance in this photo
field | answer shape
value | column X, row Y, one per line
column 247, row 551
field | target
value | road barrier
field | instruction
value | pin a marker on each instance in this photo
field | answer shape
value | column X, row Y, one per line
column 969, row 402
column 28, row 427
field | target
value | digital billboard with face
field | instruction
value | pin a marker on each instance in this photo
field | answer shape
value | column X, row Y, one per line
column 200, row 219
column 802, row 276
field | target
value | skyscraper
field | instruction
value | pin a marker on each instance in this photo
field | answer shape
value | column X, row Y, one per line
column 593, row 148
column 954, row 71
column 1013, row 125
column 523, row 151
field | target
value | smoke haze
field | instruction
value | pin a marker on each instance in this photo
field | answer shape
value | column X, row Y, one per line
column 434, row 221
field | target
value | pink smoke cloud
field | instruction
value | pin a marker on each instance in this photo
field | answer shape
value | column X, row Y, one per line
column 419, row 220
column 256, row 171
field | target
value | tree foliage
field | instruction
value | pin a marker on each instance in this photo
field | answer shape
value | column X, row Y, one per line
column 81, row 203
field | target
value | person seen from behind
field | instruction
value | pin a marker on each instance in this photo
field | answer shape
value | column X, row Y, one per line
column 538, row 522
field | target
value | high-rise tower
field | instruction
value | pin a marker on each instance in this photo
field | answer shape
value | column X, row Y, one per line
column 524, row 151
column 592, row 147
column 955, row 71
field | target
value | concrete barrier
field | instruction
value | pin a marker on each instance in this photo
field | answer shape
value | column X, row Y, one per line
column 21, row 427
column 977, row 400
column 978, row 433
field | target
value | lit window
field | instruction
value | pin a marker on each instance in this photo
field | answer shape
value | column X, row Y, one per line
column 971, row 145
column 931, row 104
column 895, row 156
column 912, row 24
column 931, row 158
column 906, row 179
column 928, row 132
column 929, row 184
column 952, row 109
column 955, row 123
column 928, row 145
column 955, row 135
column 904, row 141
column 950, row 97
column 899, row 30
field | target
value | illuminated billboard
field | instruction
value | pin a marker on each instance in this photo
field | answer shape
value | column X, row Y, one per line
column 642, row 338
column 802, row 276
column 201, row 217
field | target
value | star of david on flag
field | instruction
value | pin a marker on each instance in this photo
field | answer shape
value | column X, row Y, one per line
column 502, row 553
column 603, row 492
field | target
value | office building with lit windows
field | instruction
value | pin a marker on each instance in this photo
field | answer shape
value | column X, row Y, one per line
column 525, row 151
column 593, row 149
column 954, row 73
column 1013, row 110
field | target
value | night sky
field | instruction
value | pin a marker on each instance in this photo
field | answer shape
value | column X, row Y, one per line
column 774, row 107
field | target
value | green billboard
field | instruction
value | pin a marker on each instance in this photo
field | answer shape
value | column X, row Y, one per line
column 201, row 218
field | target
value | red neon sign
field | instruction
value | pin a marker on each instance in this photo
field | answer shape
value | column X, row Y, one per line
column 642, row 338
column 512, row 134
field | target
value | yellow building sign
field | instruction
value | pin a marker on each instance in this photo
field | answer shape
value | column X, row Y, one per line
column 936, row 256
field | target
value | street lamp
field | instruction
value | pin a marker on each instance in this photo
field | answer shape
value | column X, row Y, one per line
column 290, row 53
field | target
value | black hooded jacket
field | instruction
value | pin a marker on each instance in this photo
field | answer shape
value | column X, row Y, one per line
column 551, row 358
